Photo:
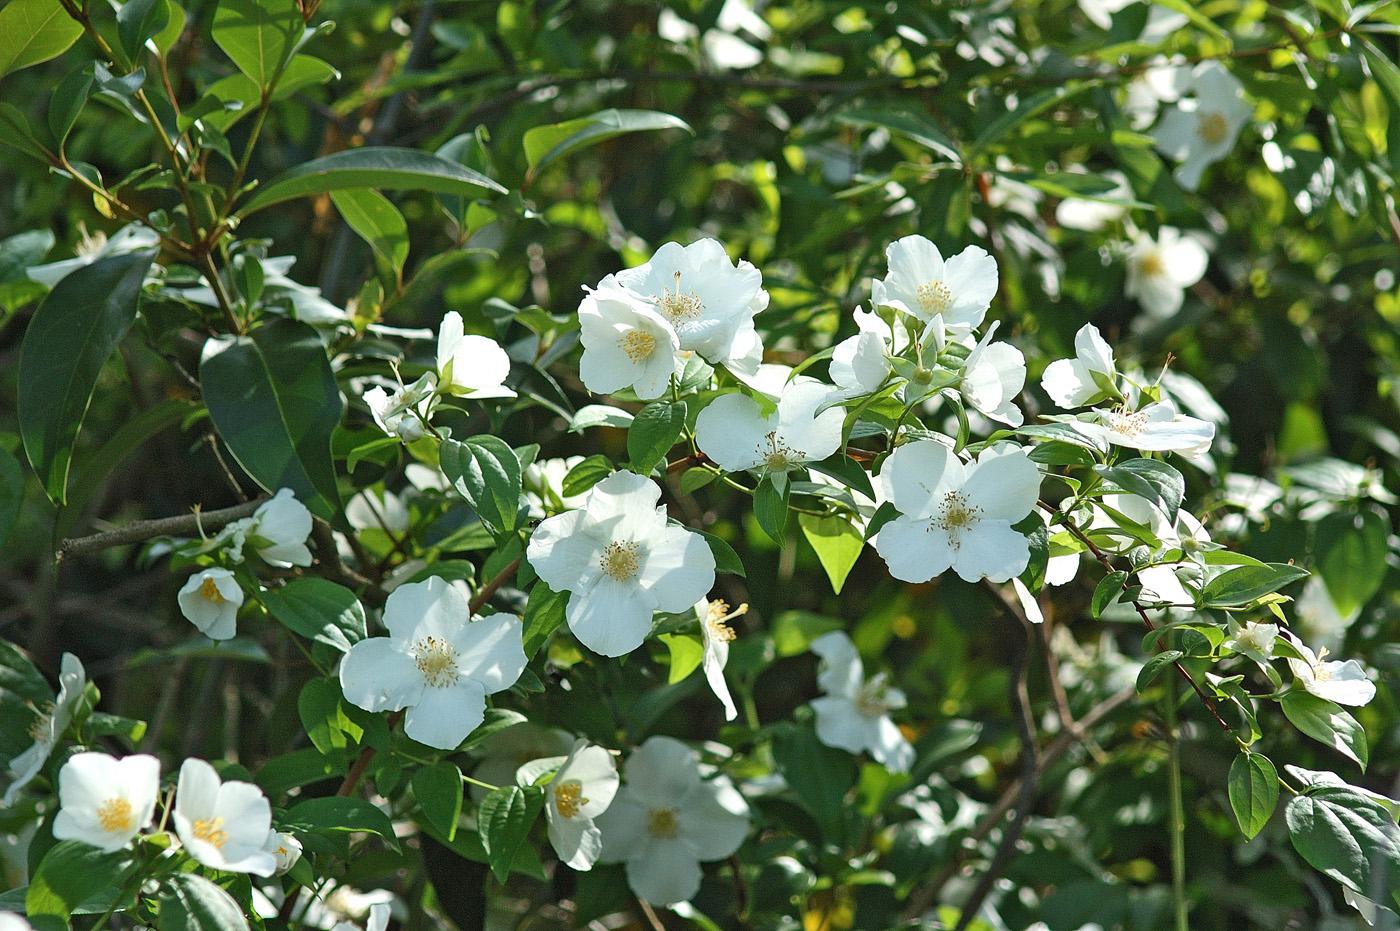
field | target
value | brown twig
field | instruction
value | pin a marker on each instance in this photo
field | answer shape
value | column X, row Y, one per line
column 136, row 531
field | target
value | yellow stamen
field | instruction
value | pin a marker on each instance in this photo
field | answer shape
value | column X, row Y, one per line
column 1212, row 127
column 210, row 831
column 621, row 561
column 717, row 618
column 663, row 823
column 935, row 297
column 568, row 798
column 638, row 345
column 115, row 814
column 437, row 661
column 210, row 590
column 1150, row 264
column 680, row 307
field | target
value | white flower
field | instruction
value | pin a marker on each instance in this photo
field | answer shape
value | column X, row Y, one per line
column 1083, row 379
column 404, row 412
column 1081, row 213
column 48, row 727
column 1254, row 640
column 104, row 801
column 955, row 514
column 853, row 715
column 1100, row 12
column 626, row 343
column 735, row 433
column 716, row 635
column 9, row 921
column 1158, row 427
column 1343, row 682
column 1200, row 131
column 581, row 791
column 223, row 825
column 722, row 46
column 667, row 820
column 860, row 364
column 506, row 751
column 706, row 298
column 621, row 562
column 1160, row 270
column 279, row 530
column 993, row 377
column 285, row 849
column 544, row 486
column 373, row 509
column 470, row 365
column 379, row 914
column 94, row 246
column 921, row 283
column 437, row 662
column 210, row 600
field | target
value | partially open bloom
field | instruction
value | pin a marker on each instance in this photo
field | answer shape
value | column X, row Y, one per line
column 858, row 363
column 621, row 562
column 993, row 377
column 955, row 514
column 210, row 600
column 666, row 820
column 853, row 715
column 1160, row 270
column 1202, row 128
column 223, row 825
column 626, row 343
column 437, row 662
column 1340, row 681
column 922, row 283
column 543, row 482
column 405, row 412
column 716, row 635
column 1255, row 640
column 378, row 919
column 279, row 528
column 1158, row 427
column 48, row 727
column 104, row 801
column 285, row 849
column 581, row 790
column 703, row 295
column 378, row 509
column 470, row 365
column 1086, row 378
column 735, row 433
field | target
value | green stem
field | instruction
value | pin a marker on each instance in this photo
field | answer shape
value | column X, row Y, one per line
column 1178, row 816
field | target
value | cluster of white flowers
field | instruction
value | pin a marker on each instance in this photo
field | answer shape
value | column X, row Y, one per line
column 106, row 802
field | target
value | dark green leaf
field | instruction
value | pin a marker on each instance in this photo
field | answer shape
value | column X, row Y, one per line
column 546, row 144
column 1253, row 791
column 335, row 813
column 1351, row 552
column 70, row 874
column 726, row 560
column 11, row 493
column 193, row 903
column 1328, row 723
column 770, row 509
column 503, row 821
column 258, row 35
column 139, row 20
column 69, row 98
column 1107, row 591
column 33, row 31
column 1346, row 835
column 586, row 474
column 1240, row 586
column 1154, row 666
column 544, row 612
column 1151, row 479
column 378, row 222
column 438, row 789
column 820, row 775
column 320, row 610
column 652, row 434
column 486, row 472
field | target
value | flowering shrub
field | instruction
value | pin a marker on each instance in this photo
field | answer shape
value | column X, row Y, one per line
column 941, row 563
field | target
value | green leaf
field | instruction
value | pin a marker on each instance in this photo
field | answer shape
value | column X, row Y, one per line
column 686, row 652
column 726, row 560
column 652, row 434
column 1346, row 835
column 1351, row 552
column 910, row 124
column 1253, row 788
column 1328, row 723
column 1240, row 586
column 821, row 776
column 546, row 144
column 1189, row 9
column 274, row 400
column 34, row 31
column 70, row 874
column 1151, row 479
column 1107, row 591
column 319, row 610
column 258, row 35
column 1027, row 107
column 503, row 821
column 438, row 789
column 193, row 903
column 544, row 613
column 139, row 20
column 72, row 334
column 324, row 717
column 16, row 132
column 371, row 167
column 68, row 100
column 836, row 543
column 794, row 631
column 11, row 493
column 336, row 813
column 586, row 474
column 599, row 415
column 1154, row 666
column 378, row 222
column 486, row 472
column 770, row 509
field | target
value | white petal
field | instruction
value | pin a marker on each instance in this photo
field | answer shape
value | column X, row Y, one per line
column 842, row 674
column 667, row 873
column 443, row 717
column 490, row 651
column 610, row 618
column 840, row 725
column 661, row 771
column 578, row 842
column 714, row 819
column 991, row 550
column 918, row 474
column 889, row 748
column 971, row 276
column 378, row 675
column 678, row 569
column 624, row 827
column 1003, row 483
column 731, row 430
column 913, row 549
column 561, row 555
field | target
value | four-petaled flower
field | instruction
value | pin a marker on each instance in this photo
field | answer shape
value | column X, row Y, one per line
column 437, row 662
column 1160, row 270
column 921, row 282
column 1201, row 130
column 223, row 825
column 667, row 820
column 954, row 514
column 736, row 434
column 580, row 791
column 1158, row 427
column 52, row 720
column 1340, row 681
column 210, row 600
column 1255, row 640
column 853, row 715
column 621, row 562
column 626, row 343
column 470, row 365
column 104, row 801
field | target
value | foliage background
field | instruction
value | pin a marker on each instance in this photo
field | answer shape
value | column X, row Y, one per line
column 808, row 163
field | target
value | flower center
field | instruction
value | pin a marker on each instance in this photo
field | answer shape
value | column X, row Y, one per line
column 680, row 306
column 935, row 297
column 621, row 560
column 956, row 515
column 211, row 832
column 663, row 823
column 638, row 345
column 1128, row 424
column 1212, row 127
column 40, row 730
column 1151, row 265
column 870, row 700
column 437, row 661
column 115, row 814
column 210, row 590
column 777, row 455
column 568, row 798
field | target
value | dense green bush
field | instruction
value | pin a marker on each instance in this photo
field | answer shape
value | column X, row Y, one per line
column 1031, row 558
